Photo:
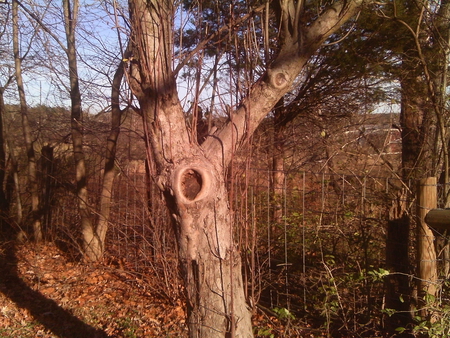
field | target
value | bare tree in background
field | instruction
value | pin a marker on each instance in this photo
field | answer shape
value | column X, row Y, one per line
column 110, row 158
column 7, row 78
column 93, row 235
column 27, row 132
column 4, row 205
column 90, row 239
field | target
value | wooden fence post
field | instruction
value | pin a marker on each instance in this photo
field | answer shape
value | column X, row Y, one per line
column 426, row 252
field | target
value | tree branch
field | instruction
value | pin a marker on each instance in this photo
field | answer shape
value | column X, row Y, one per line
column 221, row 30
column 43, row 26
column 277, row 81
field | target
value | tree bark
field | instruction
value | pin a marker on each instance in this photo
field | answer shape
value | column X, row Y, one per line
column 47, row 169
column 87, row 228
column 440, row 80
column 27, row 133
column 278, row 174
column 210, row 262
column 98, row 242
column 3, row 200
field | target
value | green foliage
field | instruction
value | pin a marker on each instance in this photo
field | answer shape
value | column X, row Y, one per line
column 378, row 275
column 283, row 313
column 435, row 325
column 129, row 327
column 389, row 312
column 349, row 214
column 265, row 332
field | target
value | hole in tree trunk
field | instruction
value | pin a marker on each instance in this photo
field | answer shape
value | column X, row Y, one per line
column 191, row 184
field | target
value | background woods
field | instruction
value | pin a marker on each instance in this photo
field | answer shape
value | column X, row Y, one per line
column 229, row 169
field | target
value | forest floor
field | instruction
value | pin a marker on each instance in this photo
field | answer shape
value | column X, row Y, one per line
column 44, row 294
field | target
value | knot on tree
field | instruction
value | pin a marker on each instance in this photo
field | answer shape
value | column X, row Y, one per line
column 277, row 78
column 192, row 183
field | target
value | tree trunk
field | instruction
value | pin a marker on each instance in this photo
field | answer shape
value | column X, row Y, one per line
column 278, row 174
column 3, row 201
column 98, row 242
column 415, row 123
column 195, row 192
column 418, row 116
column 12, row 183
column 27, row 133
column 47, row 170
column 417, row 119
column 192, row 176
column 87, row 228
column 441, row 84
column 210, row 262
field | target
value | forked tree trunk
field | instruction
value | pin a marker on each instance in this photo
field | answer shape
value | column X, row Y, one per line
column 192, row 176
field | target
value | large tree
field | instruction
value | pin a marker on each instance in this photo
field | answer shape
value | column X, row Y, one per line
column 192, row 176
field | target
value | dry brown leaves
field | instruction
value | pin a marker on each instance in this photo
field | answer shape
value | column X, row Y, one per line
column 44, row 295
column 46, row 291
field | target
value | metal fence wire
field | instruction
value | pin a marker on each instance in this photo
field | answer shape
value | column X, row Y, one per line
column 309, row 244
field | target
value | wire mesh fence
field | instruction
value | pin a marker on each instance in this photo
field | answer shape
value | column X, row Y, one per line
column 318, row 235
column 311, row 244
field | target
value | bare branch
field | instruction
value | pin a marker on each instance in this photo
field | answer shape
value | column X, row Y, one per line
column 43, row 26
column 221, row 30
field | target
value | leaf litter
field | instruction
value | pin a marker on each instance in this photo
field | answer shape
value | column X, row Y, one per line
column 43, row 284
column 43, row 294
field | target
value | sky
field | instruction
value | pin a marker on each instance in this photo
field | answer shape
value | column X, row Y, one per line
column 45, row 74
column 45, row 66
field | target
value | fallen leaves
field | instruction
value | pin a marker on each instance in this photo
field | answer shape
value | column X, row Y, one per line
column 105, row 299
column 110, row 300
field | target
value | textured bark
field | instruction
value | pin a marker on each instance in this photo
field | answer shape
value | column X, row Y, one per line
column 278, row 175
column 12, row 183
column 417, row 122
column 192, row 176
column 27, row 133
column 441, row 58
column 98, row 243
column 210, row 263
column 3, row 200
column 87, row 229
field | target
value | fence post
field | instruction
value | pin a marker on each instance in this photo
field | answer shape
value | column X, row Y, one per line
column 426, row 252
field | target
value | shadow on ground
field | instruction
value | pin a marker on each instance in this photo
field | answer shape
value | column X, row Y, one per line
column 44, row 310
